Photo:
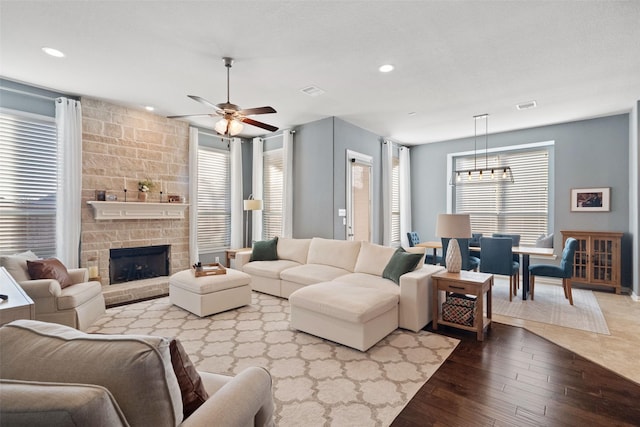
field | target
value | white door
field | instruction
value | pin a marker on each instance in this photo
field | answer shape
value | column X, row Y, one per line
column 359, row 194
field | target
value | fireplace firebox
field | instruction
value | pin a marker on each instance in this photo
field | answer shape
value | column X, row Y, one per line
column 145, row 262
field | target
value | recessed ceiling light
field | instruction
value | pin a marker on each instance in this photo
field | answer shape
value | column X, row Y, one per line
column 526, row 105
column 385, row 68
column 53, row 52
column 312, row 90
column 413, row 113
column 149, row 108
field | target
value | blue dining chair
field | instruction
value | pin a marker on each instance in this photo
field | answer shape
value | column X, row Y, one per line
column 497, row 258
column 414, row 239
column 468, row 262
column 564, row 271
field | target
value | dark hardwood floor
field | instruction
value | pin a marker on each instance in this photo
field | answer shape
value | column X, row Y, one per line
column 517, row 378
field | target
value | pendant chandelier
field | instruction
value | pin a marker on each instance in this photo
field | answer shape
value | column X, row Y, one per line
column 478, row 174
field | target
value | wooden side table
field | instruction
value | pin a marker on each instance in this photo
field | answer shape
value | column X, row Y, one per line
column 468, row 283
column 18, row 305
column 231, row 254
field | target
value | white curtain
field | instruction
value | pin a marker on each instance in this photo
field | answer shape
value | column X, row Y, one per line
column 69, row 197
column 257, row 187
column 194, row 255
column 405, row 195
column 387, row 168
column 237, row 206
column 287, row 190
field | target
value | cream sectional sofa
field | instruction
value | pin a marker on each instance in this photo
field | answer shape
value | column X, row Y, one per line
column 307, row 262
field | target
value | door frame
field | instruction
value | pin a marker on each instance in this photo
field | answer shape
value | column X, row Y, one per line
column 356, row 157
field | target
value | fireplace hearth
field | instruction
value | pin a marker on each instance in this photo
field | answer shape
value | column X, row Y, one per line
column 146, row 262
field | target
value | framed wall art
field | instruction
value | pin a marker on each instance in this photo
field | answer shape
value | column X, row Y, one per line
column 590, row 199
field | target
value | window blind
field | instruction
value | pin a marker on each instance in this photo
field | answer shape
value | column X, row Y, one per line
column 273, row 164
column 214, row 200
column 521, row 207
column 28, row 185
column 395, row 201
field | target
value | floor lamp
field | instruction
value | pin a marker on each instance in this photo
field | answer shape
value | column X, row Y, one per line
column 453, row 226
column 250, row 204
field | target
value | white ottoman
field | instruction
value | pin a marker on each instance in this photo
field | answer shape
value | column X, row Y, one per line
column 354, row 316
column 208, row 295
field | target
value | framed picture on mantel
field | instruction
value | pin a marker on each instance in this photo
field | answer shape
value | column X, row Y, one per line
column 590, row 199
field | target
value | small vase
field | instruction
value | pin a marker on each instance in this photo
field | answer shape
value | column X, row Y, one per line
column 142, row 196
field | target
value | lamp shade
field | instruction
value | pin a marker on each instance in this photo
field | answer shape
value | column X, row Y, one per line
column 455, row 226
column 253, row 205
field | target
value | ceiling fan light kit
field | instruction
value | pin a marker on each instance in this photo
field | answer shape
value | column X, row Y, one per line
column 232, row 115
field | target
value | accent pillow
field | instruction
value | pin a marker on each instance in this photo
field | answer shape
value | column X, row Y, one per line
column 16, row 265
column 400, row 263
column 191, row 387
column 265, row 250
column 50, row 268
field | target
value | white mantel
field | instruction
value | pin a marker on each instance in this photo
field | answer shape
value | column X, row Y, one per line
column 137, row 210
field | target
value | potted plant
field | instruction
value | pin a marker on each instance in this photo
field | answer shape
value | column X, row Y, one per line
column 143, row 189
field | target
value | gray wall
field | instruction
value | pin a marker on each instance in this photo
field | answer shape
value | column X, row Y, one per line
column 588, row 153
column 634, row 193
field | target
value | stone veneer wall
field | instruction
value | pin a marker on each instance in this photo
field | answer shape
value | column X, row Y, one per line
column 122, row 143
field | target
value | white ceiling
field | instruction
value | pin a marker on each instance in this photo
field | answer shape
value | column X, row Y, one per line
column 453, row 60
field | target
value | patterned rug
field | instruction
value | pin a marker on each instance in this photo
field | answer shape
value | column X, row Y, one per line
column 550, row 306
column 315, row 382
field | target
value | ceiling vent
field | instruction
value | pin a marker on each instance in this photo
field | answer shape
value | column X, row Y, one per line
column 312, row 91
column 527, row 105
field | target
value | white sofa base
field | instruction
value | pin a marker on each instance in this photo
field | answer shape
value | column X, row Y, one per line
column 359, row 318
column 207, row 295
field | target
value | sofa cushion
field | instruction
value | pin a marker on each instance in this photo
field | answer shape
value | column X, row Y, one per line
column 270, row 269
column 191, row 387
column 136, row 369
column 50, row 268
column 364, row 280
column 265, row 250
column 309, row 274
column 76, row 295
column 545, row 241
column 35, row 403
column 373, row 258
column 337, row 253
column 16, row 265
column 400, row 263
column 293, row 249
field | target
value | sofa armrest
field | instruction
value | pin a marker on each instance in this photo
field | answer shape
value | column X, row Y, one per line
column 79, row 275
column 242, row 258
column 41, row 288
column 415, row 297
column 246, row 400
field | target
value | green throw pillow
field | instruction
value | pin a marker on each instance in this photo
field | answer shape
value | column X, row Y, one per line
column 265, row 250
column 401, row 262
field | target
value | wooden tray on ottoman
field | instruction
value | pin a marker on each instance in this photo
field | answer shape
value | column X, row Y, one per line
column 210, row 270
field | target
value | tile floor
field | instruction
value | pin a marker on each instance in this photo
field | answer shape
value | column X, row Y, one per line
column 617, row 351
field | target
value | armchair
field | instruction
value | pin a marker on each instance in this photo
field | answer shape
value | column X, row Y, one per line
column 77, row 305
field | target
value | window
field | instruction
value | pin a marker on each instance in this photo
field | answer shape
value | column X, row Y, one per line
column 214, row 200
column 395, row 201
column 495, row 206
column 273, row 164
column 28, row 184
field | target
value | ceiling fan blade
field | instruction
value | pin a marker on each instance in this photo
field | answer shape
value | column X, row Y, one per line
column 203, row 101
column 189, row 115
column 258, row 110
column 258, row 124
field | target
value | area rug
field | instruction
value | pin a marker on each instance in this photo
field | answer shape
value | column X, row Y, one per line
column 315, row 382
column 550, row 306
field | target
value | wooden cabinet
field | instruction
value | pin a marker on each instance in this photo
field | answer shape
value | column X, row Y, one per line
column 597, row 260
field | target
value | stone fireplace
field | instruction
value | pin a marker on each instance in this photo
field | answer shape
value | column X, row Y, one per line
column 121, row 146
column 132, row 264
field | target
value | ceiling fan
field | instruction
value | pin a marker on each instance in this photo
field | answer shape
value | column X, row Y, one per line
column 232, row 115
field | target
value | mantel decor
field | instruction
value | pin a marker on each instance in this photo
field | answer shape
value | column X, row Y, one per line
column 137, row 210
column 590, row 199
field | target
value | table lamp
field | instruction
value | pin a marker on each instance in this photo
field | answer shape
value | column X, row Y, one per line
column 453, row 226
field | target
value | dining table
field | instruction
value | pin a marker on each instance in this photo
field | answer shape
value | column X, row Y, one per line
column 525, row 252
